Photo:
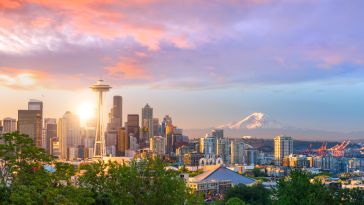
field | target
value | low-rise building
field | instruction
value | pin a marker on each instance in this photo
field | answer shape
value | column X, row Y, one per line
column 218, row 180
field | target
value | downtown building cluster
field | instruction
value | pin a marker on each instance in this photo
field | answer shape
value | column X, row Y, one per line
column 66, row 139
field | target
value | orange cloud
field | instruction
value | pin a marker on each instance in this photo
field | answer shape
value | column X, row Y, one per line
column 127, row 70
column 21, row 79
column 9, row 4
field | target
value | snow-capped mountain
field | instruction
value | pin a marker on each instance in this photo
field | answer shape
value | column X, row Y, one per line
column 253, row 121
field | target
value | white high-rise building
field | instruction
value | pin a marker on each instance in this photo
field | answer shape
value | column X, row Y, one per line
column 69, row 133
column 283, row 146
column 9, row 125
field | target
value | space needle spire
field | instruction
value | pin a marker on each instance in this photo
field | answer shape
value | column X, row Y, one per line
column 99, row 149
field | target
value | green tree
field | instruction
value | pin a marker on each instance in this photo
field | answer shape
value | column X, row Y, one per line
column 256, row 194
column 298, row 189
column 24, row 180
column 140, row 182
column 349, row 196
column 235, row 201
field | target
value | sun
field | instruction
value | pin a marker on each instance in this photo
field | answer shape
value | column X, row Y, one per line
column 86, row 111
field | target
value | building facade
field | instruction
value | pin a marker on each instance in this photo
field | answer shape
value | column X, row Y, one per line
column 9, row 125
column 69, row 133
column 283, row 147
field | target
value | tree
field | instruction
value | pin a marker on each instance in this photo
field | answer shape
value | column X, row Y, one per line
column 255, row 194
column 349, row 196
column 18, row 154
column 24, row 179
column 140, row 182
column 299, row 190
column 235, row 201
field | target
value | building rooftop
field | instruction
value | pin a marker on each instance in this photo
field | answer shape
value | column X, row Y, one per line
column 222, row 174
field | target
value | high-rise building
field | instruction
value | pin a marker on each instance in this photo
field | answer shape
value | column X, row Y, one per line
column 156, row 127
column 218, row 133
column 209, row 146
column 178, row 139
column 55, row 147
column 1, row 127
column 115, row 115
column 50, row 126
column 115, row 123
column 30, row 123
column 283, row 146
column 69, row 133
column 223, row 149
column 133, row 142
column 35, row 105
column 238, row 148
column 110, row 142
column 89, row 137
column 122, row 142
column 147, row 120
column 170, row 147
column 251, row 156
column 167, row 121
column 158, row 145
column 9, row 125
column 132, row 127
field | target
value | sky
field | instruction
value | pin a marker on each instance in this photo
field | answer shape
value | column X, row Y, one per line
column 205, row 63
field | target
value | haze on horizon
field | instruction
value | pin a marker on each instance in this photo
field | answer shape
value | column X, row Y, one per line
column 205, row 64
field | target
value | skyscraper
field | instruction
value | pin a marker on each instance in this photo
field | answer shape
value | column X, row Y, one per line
column 283, row 146
column 50, row 126
column 116, row 114
column 9, row 125
column 122, row 142
column 30, row 121
column 167, row 120
column 169, row 138
column 115, row 123
column 158, row 145
column 69, row 133
column 35, row 104
column 210, row 145
column 147, row 120
column 237, row 148
column 156, row 127
column 223, row 149
column 132, row 127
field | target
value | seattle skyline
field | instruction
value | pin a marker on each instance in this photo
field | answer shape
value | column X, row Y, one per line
column 300, row 62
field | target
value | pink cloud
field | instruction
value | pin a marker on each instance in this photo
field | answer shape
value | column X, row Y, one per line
column 128, row 70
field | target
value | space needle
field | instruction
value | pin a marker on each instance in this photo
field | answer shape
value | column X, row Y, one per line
column 99, row 149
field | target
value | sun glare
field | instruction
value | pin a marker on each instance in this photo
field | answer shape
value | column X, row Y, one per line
column 86, row 111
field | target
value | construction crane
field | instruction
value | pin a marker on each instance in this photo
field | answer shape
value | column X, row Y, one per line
column 322, row 150
column 339, row 149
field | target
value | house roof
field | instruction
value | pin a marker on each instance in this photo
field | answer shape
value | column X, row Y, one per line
column 222, row 174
